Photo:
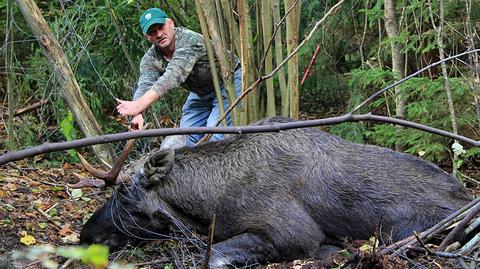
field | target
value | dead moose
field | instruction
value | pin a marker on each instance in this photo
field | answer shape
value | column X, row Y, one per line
column 278, row 196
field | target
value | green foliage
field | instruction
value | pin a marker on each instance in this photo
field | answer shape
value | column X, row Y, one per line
column 95, row 256
column 68, row 130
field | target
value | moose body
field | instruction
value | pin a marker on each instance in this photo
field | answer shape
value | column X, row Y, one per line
column 285, row 195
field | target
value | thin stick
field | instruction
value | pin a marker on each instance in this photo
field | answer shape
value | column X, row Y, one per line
column 211, row 232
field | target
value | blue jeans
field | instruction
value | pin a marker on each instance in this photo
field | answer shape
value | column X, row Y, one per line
column 203, row 111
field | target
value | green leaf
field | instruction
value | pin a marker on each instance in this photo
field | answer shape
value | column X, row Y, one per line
column 77, row 193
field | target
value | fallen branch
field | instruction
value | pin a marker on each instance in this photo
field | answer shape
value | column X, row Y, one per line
column 443, row 254
column 52, row 147
column 49, row 218
column 29, row 108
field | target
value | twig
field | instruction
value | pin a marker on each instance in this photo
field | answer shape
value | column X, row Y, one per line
column 462, row 263
column 443, row 254
column 33, row 263
column 29, row 108
column 211, row 233
column 307, row 72
column 419, row 240
column 49, row 218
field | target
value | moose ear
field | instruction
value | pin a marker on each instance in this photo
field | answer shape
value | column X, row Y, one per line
column 158, row 166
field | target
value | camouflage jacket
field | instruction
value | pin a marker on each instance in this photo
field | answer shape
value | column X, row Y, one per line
column 188, row 68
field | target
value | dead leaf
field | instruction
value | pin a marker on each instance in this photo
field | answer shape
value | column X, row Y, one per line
column 67, row 166
column 71, row 239
column 27, row 239
column 10, row 187
column 65, row 230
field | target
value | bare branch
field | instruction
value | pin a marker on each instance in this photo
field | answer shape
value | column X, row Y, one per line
column 51, row 147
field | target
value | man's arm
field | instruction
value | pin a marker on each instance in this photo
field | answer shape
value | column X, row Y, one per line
column 178, row 69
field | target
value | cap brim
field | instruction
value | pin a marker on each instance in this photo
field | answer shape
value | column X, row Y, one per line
column 152, row 22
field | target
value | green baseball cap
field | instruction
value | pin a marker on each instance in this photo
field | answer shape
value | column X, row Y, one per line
column 152, row 16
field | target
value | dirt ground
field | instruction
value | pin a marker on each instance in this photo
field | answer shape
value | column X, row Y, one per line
column 38, row 207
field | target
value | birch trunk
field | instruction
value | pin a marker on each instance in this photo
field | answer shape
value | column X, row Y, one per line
column 268, row 66
column 221, row 51
column 10, row 75
column 448, row 90
column 285, row 108
column 398, row 64
column 247, row 57
column 475, row 84
column 211, row 58
column 292, row 43
column 69, row 89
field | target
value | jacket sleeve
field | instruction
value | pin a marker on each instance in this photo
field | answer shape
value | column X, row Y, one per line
column 149, row 73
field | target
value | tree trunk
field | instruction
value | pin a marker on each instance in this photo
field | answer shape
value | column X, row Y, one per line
column 475, row 84
column 10, row 75
column 398, row 65
column 285, row 108
column 448, row 90
column 69, row 89
column 292, row 42
column 221, row 51
column 247, row 57
column 267, row 64
column 211, row 58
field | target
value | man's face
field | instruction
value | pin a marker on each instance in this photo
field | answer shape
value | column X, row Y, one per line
column 161, row 35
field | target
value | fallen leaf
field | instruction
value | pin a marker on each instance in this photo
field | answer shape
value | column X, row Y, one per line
column 9, row 187
column 77, row 194
column 71, row 239
column 27, row 239
column 67, row 166
column 65, row 230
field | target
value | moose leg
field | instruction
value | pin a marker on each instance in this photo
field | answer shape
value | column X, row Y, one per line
column 243, row 249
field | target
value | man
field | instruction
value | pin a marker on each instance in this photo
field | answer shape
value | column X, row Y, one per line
column 177, row 57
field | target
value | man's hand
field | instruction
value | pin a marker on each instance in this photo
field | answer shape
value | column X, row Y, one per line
column 137, row 123
column 130, row 108
column 133, row 108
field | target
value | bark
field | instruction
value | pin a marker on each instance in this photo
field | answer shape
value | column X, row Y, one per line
column 398, row 64
column 69, row 88
column 10, row 75
column 278, row 59
column 268, row 66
